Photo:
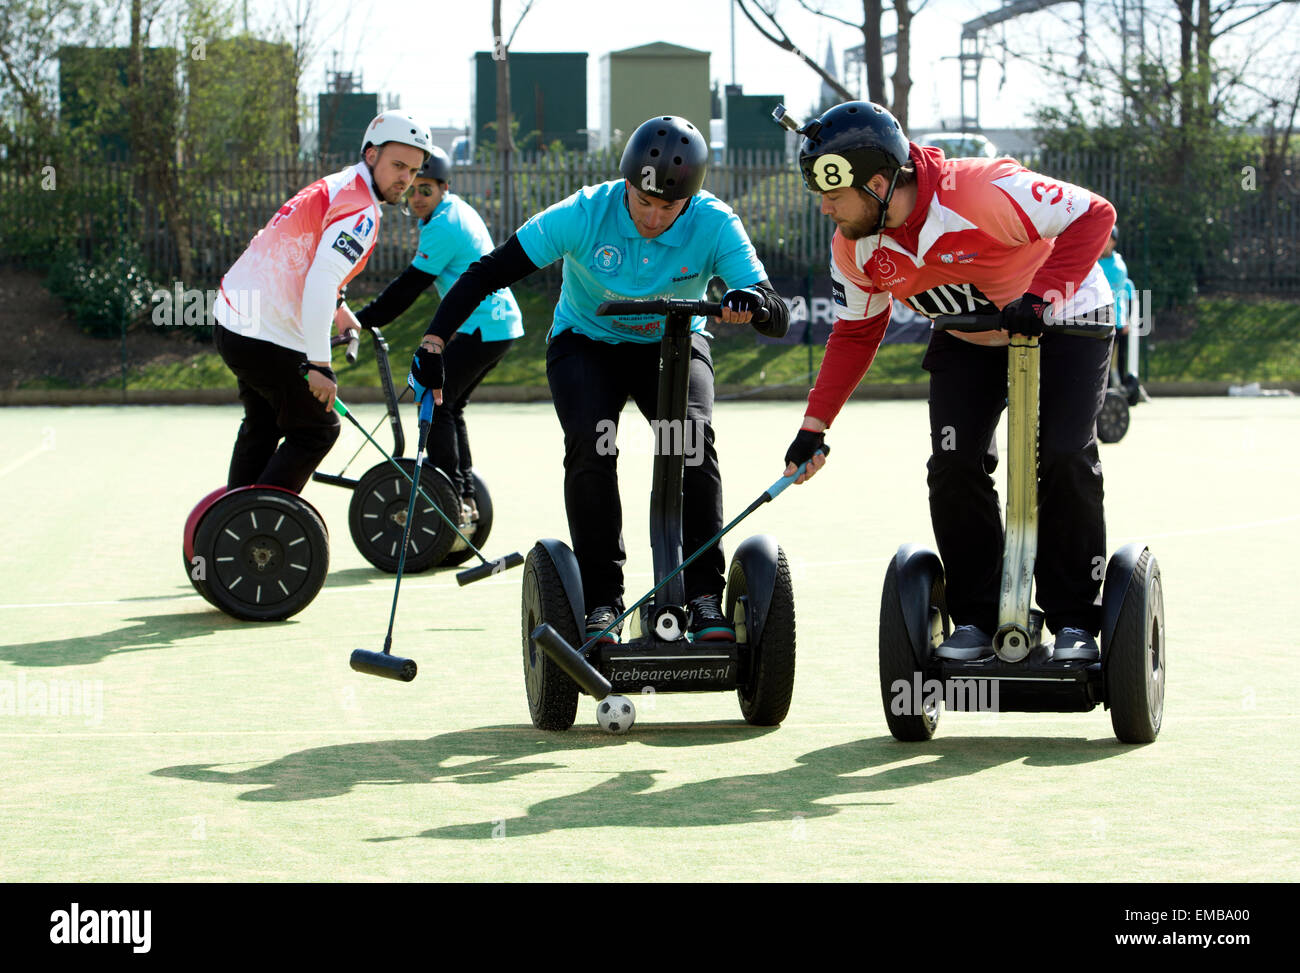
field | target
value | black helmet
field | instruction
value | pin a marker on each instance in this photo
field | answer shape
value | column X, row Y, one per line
column 666, row 157
column 1114, row 232
column 849, row 144
column 437, row 166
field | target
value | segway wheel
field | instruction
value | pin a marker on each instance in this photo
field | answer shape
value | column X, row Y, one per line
column 767, row 685
column 1112, row 423
column 552, row 695
column 912, row 716
column 482, row 527
column 265, row 552
column 377, row 517
column 1135, row 658
column 196, row 567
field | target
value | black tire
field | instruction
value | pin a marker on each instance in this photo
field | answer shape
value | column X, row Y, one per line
column 482, row 528
column 377, row 514
column 768, row 683
column 897, row 662
column 196, row 572
column 266, row 553
column 552, row 695
column 1112, row 421
column 1135, row 658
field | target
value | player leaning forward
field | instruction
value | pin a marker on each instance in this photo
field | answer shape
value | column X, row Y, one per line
column 972, row 236
column 653, row 234
column 278, row 301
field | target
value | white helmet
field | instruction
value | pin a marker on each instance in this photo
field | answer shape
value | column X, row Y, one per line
column 396, row 126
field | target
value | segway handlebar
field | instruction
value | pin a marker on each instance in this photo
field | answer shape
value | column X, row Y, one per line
column 672, row 305
column 991, row 322
column 350, row 338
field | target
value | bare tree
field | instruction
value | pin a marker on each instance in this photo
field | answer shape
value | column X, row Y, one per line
column 872, row 45
column 31, row 32
column 781, row 39
column 505, row 142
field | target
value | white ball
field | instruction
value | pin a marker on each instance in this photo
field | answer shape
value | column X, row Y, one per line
column 615, row 714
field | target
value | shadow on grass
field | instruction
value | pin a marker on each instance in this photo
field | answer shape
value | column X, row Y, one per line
column 491, row 755
column 842, row 771
column 626, row 798
column 146, row 632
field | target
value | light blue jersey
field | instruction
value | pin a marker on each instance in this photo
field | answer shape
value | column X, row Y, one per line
column 606, row 259
column 1117, row 276
column 451, row 239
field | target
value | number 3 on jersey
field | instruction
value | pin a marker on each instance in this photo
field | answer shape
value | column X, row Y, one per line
column 832, row 172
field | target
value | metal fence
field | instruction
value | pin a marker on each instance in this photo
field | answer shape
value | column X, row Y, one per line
column 47, row 205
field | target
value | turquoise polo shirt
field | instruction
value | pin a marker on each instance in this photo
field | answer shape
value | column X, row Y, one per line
column 1117, row 276
column 606, row 259
column 452, row 238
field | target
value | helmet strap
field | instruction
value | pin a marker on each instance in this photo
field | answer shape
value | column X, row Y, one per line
column 884, row 203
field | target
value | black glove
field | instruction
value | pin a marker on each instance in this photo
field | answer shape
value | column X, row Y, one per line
column 804, row 445
column 1024, row 316
column 427, row 368
column 743, row 300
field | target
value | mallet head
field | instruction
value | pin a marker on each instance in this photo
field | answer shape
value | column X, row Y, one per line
column 383, row 664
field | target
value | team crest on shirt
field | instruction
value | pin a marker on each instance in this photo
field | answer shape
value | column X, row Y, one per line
column 606, row 259
column 363, row 226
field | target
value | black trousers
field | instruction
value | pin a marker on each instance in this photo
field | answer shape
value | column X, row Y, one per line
column 968, row 390
column 467, row 359
column 590, row 383
column 278, row 404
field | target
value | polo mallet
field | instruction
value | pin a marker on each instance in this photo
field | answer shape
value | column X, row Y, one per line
column 384, row 663
column 574, row 661
column 469, row 575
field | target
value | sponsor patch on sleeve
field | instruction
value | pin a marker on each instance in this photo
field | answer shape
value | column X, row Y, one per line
column 347, row 245
column 837, row 293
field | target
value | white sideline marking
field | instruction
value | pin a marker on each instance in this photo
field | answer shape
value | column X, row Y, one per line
column 30, row 454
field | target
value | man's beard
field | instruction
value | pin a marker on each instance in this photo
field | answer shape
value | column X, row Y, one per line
column 864, row 227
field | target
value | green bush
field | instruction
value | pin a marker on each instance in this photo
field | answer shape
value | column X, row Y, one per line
column 105, row 294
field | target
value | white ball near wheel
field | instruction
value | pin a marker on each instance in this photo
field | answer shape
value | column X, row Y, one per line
column 615, row 714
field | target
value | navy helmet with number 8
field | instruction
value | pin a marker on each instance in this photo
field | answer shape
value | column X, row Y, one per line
column 848, row 145
column 666, row 158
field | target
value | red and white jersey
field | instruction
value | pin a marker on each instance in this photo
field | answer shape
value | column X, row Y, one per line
column 983, row 233
column 285, row 286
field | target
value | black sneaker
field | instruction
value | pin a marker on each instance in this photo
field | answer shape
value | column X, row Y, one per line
column 967, row 642
column 1075, row 645
column 599, row 619
column 707, row 623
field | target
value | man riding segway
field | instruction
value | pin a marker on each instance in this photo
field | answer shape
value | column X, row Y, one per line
column 654, row 233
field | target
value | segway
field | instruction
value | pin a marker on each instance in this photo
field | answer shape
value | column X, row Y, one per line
column 258, row 553
column 659, row 656
column 377, row 513
column 1021, row 674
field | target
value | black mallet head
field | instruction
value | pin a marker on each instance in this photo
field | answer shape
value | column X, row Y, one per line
column 489, row 568
column 383, row 664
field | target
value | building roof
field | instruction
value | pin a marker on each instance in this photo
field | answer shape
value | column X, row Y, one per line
column 658, row 49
